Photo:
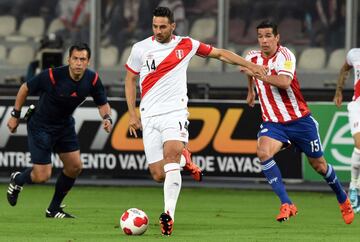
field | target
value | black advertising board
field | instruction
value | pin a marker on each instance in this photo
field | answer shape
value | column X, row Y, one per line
column 222, row 139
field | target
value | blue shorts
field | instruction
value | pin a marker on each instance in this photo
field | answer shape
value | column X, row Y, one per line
column 303, row 133
column 43, row 141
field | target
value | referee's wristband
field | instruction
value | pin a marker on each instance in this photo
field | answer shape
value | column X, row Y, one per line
column 15, row 113
column 107, row 117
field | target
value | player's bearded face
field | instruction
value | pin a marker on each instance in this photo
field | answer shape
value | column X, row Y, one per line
column 78, row 62
column 162, row 29
column 268, row 41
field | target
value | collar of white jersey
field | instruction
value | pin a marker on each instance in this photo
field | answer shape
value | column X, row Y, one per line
column 173, row 37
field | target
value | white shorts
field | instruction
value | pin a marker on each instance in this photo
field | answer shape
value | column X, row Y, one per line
column 161, row 128
column 354, row 116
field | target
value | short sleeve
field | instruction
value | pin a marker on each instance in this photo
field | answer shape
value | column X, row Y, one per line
column 134, row 61
column 98, row 93
column 39, row 83
column 285, row 63
column 349, row 58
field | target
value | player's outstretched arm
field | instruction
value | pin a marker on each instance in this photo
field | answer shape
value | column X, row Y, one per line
column 21, row 96
column 130, row 93
column 343, row 75
column 234, row 59
column 246, row 71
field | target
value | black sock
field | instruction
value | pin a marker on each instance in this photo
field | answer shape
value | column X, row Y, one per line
column 62, row 187
column 24, row 177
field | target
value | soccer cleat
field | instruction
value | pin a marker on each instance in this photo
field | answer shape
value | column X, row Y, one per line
column 286, row 211
column 196, row 172
column 293, row 210
column 353, row 196
column 166, row 224
column 347, row 211
column 13, row 189
column 58, row 214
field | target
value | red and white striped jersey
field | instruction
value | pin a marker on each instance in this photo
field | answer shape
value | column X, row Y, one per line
column 162, row 69
column 353, row 59
column 279, row 105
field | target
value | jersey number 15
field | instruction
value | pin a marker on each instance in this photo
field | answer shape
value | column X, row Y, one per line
column 315, row 145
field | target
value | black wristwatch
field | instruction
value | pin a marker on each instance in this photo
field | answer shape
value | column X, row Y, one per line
column 107, row 117
column 15, row 113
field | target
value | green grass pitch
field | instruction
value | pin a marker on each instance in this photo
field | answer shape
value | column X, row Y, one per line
column 202, row 215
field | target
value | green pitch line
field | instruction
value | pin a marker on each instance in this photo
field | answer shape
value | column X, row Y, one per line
column 202, row 215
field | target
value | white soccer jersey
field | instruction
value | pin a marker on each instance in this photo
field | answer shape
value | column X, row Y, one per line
column 162, row 69
column 353, row 59
column 279, row 105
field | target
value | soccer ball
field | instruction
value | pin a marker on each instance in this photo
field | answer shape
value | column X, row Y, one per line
column 134, row 221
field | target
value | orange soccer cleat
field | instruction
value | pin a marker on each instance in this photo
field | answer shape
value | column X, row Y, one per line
column 166, row 224
column 196, row 171
column 347, row 211
column 286, row 211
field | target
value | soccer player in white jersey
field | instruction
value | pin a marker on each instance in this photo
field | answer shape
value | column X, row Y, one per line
column 352, row 62
column 287, row 120
column 161, row 61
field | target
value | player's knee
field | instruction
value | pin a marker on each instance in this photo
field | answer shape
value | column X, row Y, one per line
column 355, row 158
column 263, row 154
column 74, row 170
column 319, row 166
column 158, row 176
column 171, row 158
column 77, row 169
column 40, row 177
column 319, row 169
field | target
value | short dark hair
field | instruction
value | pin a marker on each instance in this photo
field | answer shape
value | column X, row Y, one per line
column 164, row 12
column 79, row 47
column 268, row 24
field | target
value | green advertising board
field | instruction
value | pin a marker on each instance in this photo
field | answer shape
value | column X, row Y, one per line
column 336, row 140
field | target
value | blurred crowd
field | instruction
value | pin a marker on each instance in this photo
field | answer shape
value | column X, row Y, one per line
column 123, row 22
column 302, row 24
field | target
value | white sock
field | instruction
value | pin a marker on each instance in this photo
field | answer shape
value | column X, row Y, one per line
column 355, row 169
column 182, row 161
column 172, row 187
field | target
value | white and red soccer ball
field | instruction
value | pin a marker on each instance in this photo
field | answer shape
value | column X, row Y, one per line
column 134, row 221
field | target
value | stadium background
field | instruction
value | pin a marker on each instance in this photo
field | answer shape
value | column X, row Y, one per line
column 33, row 37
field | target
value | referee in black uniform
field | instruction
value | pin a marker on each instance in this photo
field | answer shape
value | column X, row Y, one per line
column 51, row 126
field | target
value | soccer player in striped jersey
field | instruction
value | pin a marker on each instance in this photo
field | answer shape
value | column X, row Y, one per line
column 352, row 62
column 287, row 120
column 161, row 62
